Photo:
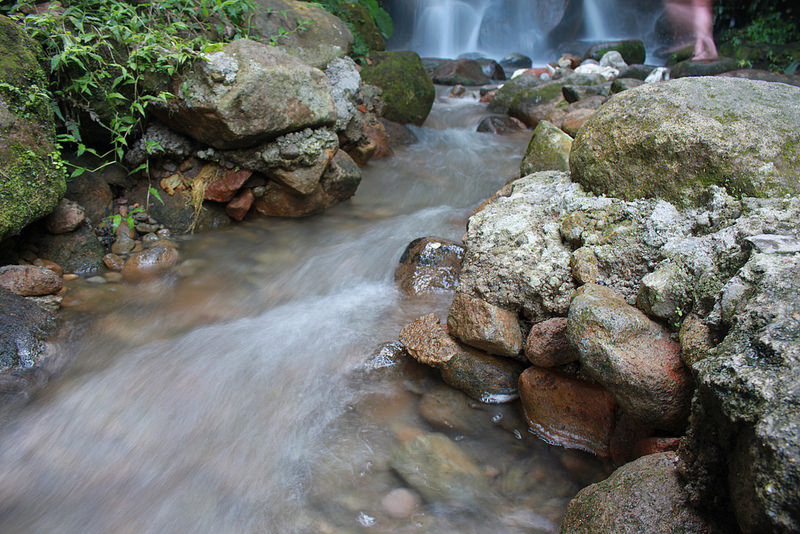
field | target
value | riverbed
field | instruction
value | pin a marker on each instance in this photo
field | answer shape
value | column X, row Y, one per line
column 242, row 392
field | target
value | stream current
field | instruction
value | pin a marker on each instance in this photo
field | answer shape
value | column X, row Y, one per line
column 232, row 396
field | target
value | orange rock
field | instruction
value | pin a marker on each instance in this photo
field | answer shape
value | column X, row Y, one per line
column 240, row 205
column 567, row 412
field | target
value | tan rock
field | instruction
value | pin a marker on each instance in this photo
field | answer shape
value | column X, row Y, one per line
column 485, row 326
column 29, row 280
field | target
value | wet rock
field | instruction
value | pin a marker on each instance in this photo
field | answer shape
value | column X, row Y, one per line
column 483, row 377
column 32, row 183
column 320, row 42
column 400, row 503
column 245, row 94
column 460, row 72
column 92, row 192
column 638, row 72
column 687, row 68
column 281, row 201
column 533, row 105
column 53, row 266
column 642, row 496
column 123, row 244
column 238, row 207
column 427, row 341
column 67, row 216
column 225, row 183
column 632, row 50
column 437, row 468
column 114, row 262
column 29, row 280
column 631, row 356
column 23, row 330
column 341, row 179
column 723, row 112
column 485, row 326
column 492, row 69
column 407, row 88
column 548, row 150
column 546, row 344
column 448, row 409
column 623, row 84
column 502, row 100
column 516, row 61
column 572, row 121
column 500, row 124
column 149, row 263
column 77, row 252
column 567, row 412
column 429, row 264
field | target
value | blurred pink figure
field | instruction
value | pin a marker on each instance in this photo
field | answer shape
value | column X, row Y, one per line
column 694, row 15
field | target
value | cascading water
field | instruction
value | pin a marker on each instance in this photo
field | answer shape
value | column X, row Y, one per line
column 496, row 28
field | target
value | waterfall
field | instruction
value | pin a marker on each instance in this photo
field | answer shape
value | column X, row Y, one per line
column 594, row 21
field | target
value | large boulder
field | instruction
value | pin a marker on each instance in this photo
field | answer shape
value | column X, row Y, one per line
column 646, row 495
column 501, row 102
column 672, row 140
column 407, row 88
column 246, row 94
column 533, row 105
column 24, row 326
column 460, row 72
column 744, row 440
column 301, row 29
column 32, row 181
column 631, row 50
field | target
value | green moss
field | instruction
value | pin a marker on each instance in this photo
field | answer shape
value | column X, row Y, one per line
column 407, row 88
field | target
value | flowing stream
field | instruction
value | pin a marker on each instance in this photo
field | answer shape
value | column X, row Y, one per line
column 233, row 397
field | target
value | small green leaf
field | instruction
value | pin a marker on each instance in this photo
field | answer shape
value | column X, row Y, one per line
column 156, row 194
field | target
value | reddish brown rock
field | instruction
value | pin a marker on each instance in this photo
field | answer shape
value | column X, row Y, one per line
column 281, row 201
column 53, row 266
column 225, row 183
column 426, row 340
column 573, row 120
column 67, row 216
column 547, row 346
column 485, row 326
column 631, row 356
column 429, row 264
column 567, row 412
column 149, row 263
column 113, row 262
column 379, row 143
column 240, row 205
column 29, row 280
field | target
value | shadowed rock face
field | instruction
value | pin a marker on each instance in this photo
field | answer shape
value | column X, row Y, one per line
column 23, row 328
column 672, row 140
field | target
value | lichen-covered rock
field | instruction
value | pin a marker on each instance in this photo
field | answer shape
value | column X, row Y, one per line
column 631, row 50
column 548, row 150
column 645, row 495
column 407, row 88
column 345, row 81
column 673, row 140
column 246, row 94
column 310, row 33
column 32, row 181
column 631, row 356
column 745, row 433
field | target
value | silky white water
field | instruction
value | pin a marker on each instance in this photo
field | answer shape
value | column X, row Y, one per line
column 232, row 398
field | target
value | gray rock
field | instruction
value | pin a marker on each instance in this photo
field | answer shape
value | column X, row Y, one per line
column 645, row 495
column 345, row 81
column 67, row 216
column 23, row 329
column 158, row 141
column 245, row 94
column 437, row 468
column 745, row 433
column 548, row 150
column 701, row 133
column 76, row 252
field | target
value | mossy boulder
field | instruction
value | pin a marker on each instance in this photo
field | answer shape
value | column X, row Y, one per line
column 301, row 29
column 407, row 88
column 533, row 105
column 548, row 150
column 506, row 94
column 673, row 140
column 32, row 181
column 632, row 51
column 688, row 68
column 364, row 25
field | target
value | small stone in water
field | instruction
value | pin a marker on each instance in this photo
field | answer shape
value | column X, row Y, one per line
column 400, row 503
column 366, row 520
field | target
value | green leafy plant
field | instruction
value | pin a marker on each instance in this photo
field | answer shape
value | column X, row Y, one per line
column 109, row 59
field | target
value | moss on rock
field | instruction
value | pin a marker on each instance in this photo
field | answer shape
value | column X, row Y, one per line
column 32, row 180
column 407, row 88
